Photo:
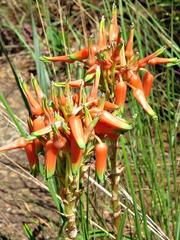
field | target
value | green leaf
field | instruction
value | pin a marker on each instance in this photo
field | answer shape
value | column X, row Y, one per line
column 28, row 232
column 52, row 186
column 40, row 67
column 178, row 228
column 121, row 225
column 15, row 74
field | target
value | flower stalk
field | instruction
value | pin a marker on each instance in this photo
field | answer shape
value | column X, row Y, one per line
column 115, row 182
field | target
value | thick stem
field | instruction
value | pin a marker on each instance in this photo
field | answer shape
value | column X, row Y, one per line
column 71, row 229
column 70, row 193
column 115, row 179
column 70, row 197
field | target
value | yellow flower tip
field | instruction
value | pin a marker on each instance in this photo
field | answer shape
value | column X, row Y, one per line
column 154, row 116
column 102, row 25
column 132, row 26
column 50, row 173
column 100, row 176
column 44, row 59
column 75, row 168
column 160, row 51
column 114, row 10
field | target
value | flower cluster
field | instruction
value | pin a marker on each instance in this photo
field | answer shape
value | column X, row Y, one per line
column 77, row 117
column 69, row 123
column 119, row 65
column 82, row 112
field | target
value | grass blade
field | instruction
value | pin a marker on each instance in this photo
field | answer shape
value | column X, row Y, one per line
column 40, row 67
column 15, row 74
column 178, row 228
column 121, row 225
column 13, row 116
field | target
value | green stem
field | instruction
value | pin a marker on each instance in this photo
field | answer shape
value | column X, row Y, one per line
column 106, row 84
column 115, row 178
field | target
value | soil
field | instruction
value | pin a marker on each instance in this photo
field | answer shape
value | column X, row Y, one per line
column 21, row 200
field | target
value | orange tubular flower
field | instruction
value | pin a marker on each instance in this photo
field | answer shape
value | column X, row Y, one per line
column 122, row 58
column 147, row 83
column 134, row 80
column 139, row 96
column 129, row 47
column 76, row 83
column 80, row 55
column 35, row 107
column 38, row 124
column 59, row 140
column 29, row 149
column 92, row 53
column 63, row 58
column 102, row 44
column 114, row 29
column 94, row 91
column 76, row 127
column 54, row 97
column 120, row 93
column 39, row 93
column 76, row 98
column 51, row 153
column 115, row 54
column 157, row 60
column 101, row 152
column 103, row 129
column 32, row 157
column 48, row 113
column 63, row 100
column 77, row 56
column 76, row 155
column 105, row 64
column 114, row 122
column 109, row 106
column 145, row 60
column 19, row 143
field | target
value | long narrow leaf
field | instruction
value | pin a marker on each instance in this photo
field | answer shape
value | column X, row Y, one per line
column 40, row 67
column 2, row 48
